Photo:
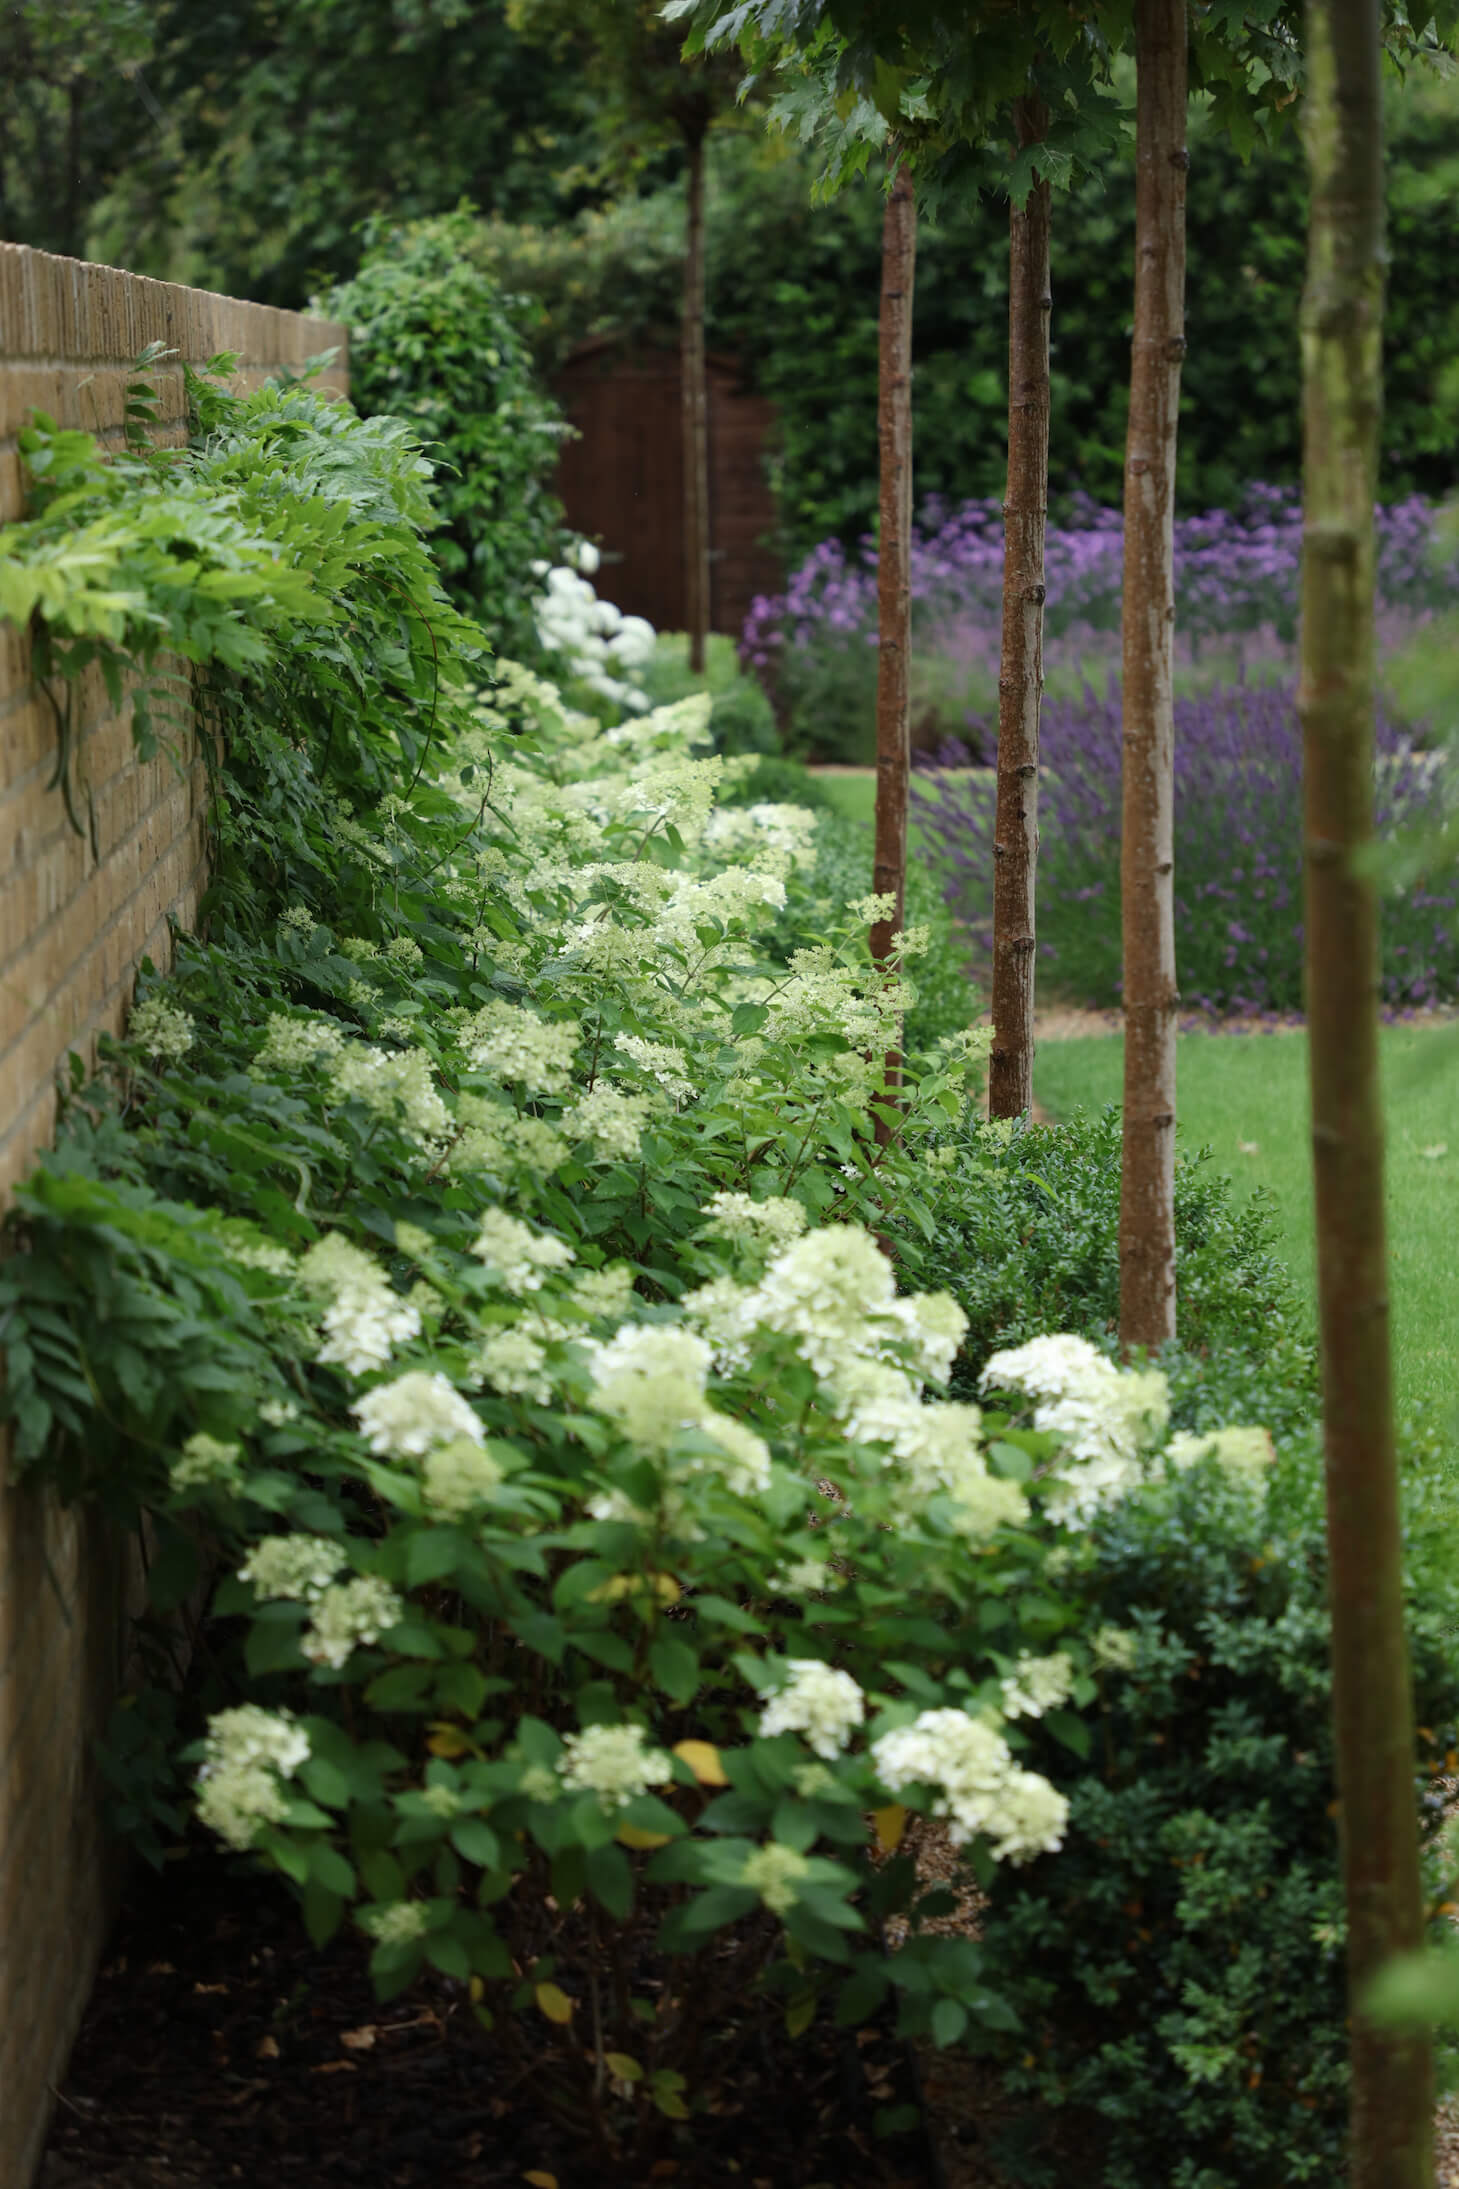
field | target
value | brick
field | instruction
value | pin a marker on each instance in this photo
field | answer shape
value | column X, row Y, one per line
column 72, row 930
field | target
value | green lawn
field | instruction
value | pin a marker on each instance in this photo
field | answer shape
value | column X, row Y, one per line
column 856, row 795
column 1245, row 1096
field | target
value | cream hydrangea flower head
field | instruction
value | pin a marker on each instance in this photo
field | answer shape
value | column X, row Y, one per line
column 614, row 1762
column 295, row 1044
column 1037, row 1684
column 1242, row 1452
column 406, row 1418
column 161, row 1029
column 521, row 1258
column 609, row 1121
column 364, row 1316
column 207, row 1461
column 816, row 1699
column 458, row 1478
column 1105, row 1418
column 981, row 1791
column 348, row 1615
column 248, row 1755
column 516, row 1045
column 774, row 1872
column 299, row 1567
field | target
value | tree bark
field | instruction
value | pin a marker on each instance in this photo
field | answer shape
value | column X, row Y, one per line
column 893, row 580
column 695, row 408
column 1021, row 668
column 1147, row 859
column 1342, row 317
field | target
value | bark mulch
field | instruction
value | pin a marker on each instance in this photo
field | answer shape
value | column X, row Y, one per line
column 220, row 2046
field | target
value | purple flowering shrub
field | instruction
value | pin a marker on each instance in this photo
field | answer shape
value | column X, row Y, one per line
column 1238, row 878
column 1237, row 582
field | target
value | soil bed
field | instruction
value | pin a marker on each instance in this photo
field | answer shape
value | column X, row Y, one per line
column 221, row 2046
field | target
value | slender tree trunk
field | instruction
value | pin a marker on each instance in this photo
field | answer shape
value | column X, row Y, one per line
column 1342, row 319
column 695, row 404
column 1021, row 668
column 893, row 578
column 1147, row 859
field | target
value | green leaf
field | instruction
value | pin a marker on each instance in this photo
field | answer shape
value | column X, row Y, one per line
column 675, row 1666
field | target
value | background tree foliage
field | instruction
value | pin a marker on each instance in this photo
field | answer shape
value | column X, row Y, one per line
column 240, row 146
column 273, row 129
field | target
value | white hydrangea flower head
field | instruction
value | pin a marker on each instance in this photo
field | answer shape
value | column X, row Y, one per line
column 248, row 1754
column 493, row 1137
column 296, row 1044
column 404, row 950
column 400, row 1923
column 610, row 1121
column 274, row 1261
column 1105, row 1418
column 406, row 1418
column 973, row 1045
column 823, row 1290
column 774, row 838
column 1116, row 1649
column 458, row 1478
column 347, row 1615
column 1037, row 1684
column 515, row 1045
column 521, row 1259
column 980, row 1788
column 1055, row 1367
column 364, row 1316
column 872, row 911
column 769, row 1224
column 207, row 1462
column 663, row 1063
column 161, row 1029
column 727, row 1315
column 650, row 1378
column 1248, row 1453
column 747, row 1456
column 817, row 1700
column 295, row 1567
column 442, row 1801
column 603, row 1295
column 775, row 1872
column 614, row 1762
column 278, row 1413
column 397, row 1087
column 933, row 1328
column 512, row 1362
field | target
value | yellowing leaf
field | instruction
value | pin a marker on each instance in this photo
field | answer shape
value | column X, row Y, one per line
column 448, row 1740
column 799, row 2015
column 632, row 1835
column 554, row 2003
column 477, row 1990
column 539, row 2180
column 624, row 2066
column 702, row 1758
column 890, row 1824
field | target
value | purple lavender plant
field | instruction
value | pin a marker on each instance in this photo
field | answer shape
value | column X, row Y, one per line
column 1237, row 581
column 1238, row 884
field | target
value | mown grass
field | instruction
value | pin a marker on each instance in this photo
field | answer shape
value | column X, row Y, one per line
column 1245, row 1096
column 855, row 796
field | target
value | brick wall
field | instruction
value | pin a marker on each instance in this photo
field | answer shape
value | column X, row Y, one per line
column 74, row 921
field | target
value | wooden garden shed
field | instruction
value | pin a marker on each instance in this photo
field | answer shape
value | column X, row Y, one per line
column 621, row 481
